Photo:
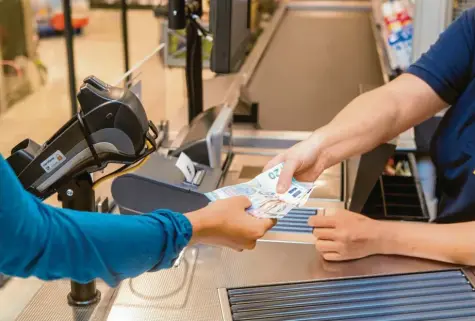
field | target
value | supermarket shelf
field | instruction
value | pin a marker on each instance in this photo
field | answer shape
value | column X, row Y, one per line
column 131, row 4
column 461, row 6
column 116, row 6
column 389, row 62
column 388, row 66
column 175, row 47
column 383, row 53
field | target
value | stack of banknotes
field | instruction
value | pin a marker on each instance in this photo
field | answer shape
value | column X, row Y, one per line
column 262, row 192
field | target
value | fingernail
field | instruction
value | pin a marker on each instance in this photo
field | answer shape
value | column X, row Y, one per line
column 280, row 188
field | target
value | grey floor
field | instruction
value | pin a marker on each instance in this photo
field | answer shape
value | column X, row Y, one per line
column 15, row 295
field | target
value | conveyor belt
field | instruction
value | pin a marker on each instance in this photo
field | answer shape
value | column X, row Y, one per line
column 314, row 65
column 446, row 295
column 295, row 221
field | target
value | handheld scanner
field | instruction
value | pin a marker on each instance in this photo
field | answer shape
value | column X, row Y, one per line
column 112, row 127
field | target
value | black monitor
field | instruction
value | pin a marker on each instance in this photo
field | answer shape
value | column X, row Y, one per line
column 230, row 22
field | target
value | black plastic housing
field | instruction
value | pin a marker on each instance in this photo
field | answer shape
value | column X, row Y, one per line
column 230, row 26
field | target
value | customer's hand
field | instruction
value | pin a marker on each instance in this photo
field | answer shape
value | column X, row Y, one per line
column 342, row 235
column 226, row 223
column 305, row 161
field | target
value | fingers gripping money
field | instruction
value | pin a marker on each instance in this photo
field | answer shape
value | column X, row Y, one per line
column 262, row 192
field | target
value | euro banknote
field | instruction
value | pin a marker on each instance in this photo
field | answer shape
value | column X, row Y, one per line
column 262, row 192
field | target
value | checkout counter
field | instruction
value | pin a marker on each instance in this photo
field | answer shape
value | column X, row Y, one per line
column 284, row 278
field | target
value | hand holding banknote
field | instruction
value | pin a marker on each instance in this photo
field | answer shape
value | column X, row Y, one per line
column 226, row 223
column 261, row 191
column 305, row 161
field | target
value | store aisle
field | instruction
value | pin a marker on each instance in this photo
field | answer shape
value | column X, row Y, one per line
column 99, row 49
column 99, row 52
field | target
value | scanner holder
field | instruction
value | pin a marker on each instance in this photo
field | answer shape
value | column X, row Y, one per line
column 112, row 127
column 78, row 194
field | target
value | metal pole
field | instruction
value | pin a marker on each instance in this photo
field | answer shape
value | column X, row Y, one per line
column 194, row 69
column 69, row 33
column 79, row 195
column 125, row 34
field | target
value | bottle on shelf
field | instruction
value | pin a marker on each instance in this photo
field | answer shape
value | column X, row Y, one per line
column 399, row 27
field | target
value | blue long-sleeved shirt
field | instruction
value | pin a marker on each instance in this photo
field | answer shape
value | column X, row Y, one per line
column 53, row 243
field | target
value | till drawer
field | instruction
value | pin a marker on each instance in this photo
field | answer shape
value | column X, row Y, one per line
column 397, row 197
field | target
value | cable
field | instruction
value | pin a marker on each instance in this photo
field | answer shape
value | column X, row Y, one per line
column 123, row 170
column 196, row 21
column 87, row 136
column 189, row 74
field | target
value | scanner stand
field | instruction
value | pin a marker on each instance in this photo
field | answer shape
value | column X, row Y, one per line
column 78, row 194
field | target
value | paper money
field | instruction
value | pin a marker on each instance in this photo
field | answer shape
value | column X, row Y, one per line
column 262, row 192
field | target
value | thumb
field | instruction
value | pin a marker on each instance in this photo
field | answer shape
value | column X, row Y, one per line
column 286, row 175
column 242, row 201
column 268, row 223
column 274, row 162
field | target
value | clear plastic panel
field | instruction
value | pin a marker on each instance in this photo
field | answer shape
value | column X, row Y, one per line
column 162, row 90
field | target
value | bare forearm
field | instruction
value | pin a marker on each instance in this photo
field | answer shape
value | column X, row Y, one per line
column 378, row 116
column 374, row 112
column 452, row 243
column 360, row 127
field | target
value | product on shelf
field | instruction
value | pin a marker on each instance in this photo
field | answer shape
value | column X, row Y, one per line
column 399, row 26
column 49, row 14
column 397, row 168
column 390, row 19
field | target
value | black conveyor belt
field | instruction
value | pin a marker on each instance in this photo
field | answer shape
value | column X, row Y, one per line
column 445, row 295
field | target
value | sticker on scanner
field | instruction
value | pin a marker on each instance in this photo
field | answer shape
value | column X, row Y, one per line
column 53, row 161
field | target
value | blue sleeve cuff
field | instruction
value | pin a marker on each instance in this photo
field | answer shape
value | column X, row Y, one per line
column 184, row 232
column 186, row 229
column 445, row 92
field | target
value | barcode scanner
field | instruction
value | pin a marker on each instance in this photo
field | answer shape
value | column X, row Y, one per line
column 111, row 127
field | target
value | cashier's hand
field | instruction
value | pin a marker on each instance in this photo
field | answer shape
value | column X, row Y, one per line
column 226, row 223
column 305, row 161
column 342, row 235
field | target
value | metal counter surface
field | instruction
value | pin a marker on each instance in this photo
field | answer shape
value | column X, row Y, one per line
column 190, row 292
column 245, row 167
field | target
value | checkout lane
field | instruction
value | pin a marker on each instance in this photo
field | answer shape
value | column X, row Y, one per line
column 194, row 290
